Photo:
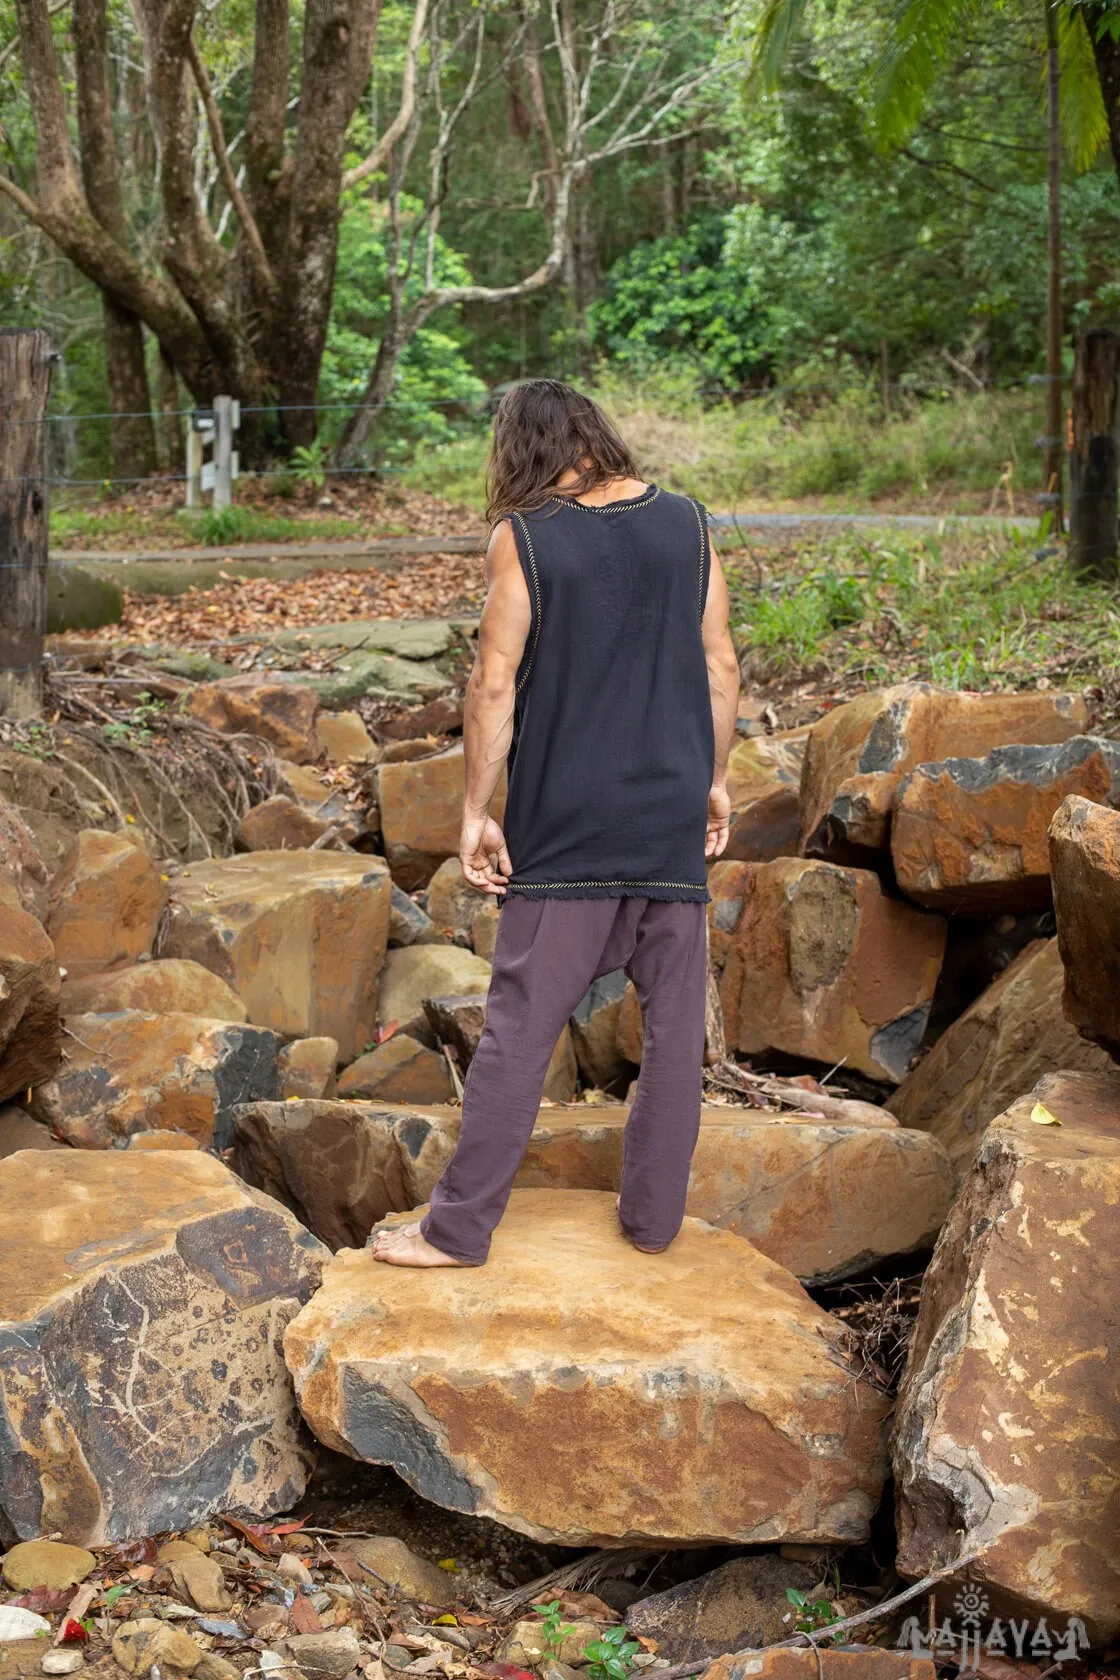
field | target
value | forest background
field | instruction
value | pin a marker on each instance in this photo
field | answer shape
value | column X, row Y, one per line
column 786, row 288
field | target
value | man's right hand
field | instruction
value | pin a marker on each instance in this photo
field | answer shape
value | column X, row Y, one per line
column 719, row 821
column 483, row 855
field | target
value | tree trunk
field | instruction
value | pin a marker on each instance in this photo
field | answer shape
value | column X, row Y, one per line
column 132, row 440
column 1093, row 461
column 25, row 380
column 171, row 423
column 1052, row 487
column 363, row 420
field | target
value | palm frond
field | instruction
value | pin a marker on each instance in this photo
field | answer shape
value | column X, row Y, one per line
column 779, row 23
column 1084, row 120
column 922, row 37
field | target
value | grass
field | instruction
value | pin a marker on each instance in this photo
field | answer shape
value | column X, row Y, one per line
column 123, row 526
column 955, row 454
column 965, row 610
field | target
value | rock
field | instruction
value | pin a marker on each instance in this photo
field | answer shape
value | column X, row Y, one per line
column 307, row 1068
column 768, row 827
column 857, row 755
column 1085, row 857
column 30, row 1042
column 61, row 1662
column 521, row 1402
column 408, row 924
column 1007, row 1413
column 342, row 1166
column 325, row 1656
column 282, row 713
column 213, row 1667
column 405, row 1574
column 161, row 1140
column 304, row 783
column 741, row 1604
column 484, row 930
column 1013, row 1034
column 401, row 1070
column 105, row 904
column 405, row 752
column 820, row 1663
column 200, row 1581
column 629, row 1037
column 424, row 971
column 160, row 1284
column 758, row 766
column 421, row 809
column 282, row 824
column 459, row 1021
column 81, row 599
column 453, row 904
column 19, row 1131
column 594, row 1027
column 45, row 1563
column 300, row 936
column 171, row 986
column 139, row 1644
column 345, row 739
column 292, row 1568
column 131, row 1072
column 20, row 861
column 525, row 1644
column 826, row 1201
column 823, row 964
column 174, row 1551
column 969, row 835
column 17, row 1623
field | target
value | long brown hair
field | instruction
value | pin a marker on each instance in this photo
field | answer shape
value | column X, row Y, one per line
column 542, row 428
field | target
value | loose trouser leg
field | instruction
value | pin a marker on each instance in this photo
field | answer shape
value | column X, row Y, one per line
column 546, row 956
column 669, row 969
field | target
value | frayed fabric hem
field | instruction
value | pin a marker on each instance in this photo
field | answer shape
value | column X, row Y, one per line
column 563, row 891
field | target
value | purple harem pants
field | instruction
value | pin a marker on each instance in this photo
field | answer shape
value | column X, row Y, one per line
column 547, row 954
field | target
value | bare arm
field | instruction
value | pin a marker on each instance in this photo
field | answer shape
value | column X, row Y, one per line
column 488, row 713
column 723, row 685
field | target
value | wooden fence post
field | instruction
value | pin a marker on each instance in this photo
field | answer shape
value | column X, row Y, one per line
column 25, row 379
column 1094, row 458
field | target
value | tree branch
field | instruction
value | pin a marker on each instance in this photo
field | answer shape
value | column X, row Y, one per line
column 375, row 159
column 261, row 264
column 10, row 47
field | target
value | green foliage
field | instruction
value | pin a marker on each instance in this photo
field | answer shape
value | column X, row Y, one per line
column 223, row 525
column 811, row 1613
column 434, row 388
column 309, row 464
column 611, row 1657
column 556, row 1629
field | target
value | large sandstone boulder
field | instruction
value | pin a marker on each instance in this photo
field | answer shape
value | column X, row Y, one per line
column 106, row 902
column 408, row 924
column 823, row 964
column 459, row 1022
column 345, row 739
column 826, row 1200
column 969, row 835
column 131, row 1072
column 171, row 986
column 141, row 1381
column 818, row 1662
column 421, row 809
column 283, row 824
column 402, row 1070
column 595, row 1031
column 342, row 1166
column 30, row 1042
column 857, row 755
column 1085, row 857
column 300, row 936
column 1008, row 1432
column 1013, row 1034
column 583, row 1393
column 763, row 782
column 416, row 972
column 741, row 1605
column 281, row 713
column 19, row 1131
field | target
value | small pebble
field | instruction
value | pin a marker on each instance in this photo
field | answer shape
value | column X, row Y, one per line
column 322, row 1600
column 293, row 1568
column 61, row 1662
column 271, row 1660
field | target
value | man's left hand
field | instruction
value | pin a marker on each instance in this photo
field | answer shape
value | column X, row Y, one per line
column 719, row 822
column 483, row 855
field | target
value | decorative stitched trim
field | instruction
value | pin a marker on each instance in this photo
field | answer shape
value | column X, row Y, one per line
column 536, row 601
column 700, row 520
column 571, row 886
column 609, row 507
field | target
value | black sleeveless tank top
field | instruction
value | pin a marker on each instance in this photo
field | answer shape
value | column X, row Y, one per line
column 613, row 748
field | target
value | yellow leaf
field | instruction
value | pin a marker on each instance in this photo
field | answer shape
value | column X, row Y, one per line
column 446, row 1621
column 449, row 1563
column 1042, row 1116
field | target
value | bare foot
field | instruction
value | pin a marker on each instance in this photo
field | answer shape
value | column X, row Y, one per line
column 406, row 1247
